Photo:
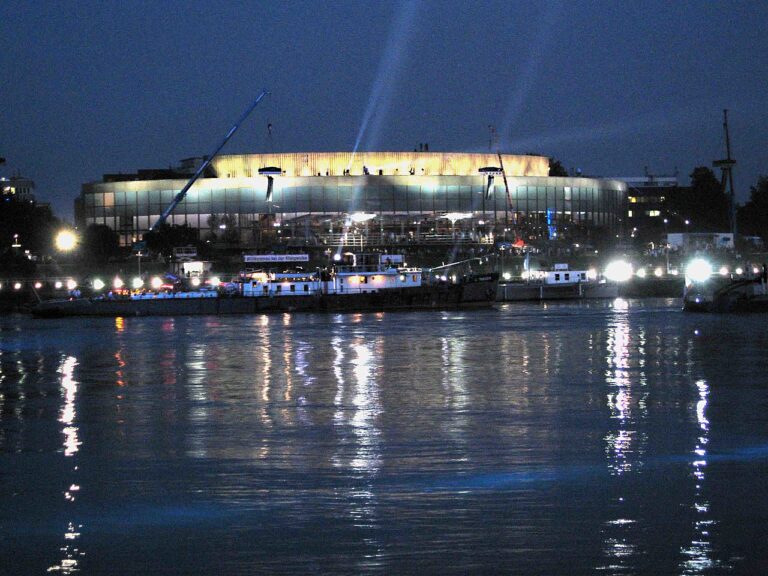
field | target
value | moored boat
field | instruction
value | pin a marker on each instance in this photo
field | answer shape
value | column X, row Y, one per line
column 706, row 292
column 560, row 283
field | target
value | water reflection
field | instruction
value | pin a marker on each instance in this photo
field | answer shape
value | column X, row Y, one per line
column 72, row 554
column 359, row 414
column 698, row 554
column 67, row 416
column 197, row 390
column 533, row 425
column 457, row 398
column 623, row 442
column 620, row 442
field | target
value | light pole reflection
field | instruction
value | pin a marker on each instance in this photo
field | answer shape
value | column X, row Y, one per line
column 359, row 414
column 71, row 445
column 697, row 556
column 454, row 383
column 624, row 445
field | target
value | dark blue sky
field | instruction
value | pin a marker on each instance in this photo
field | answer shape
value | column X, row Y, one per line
column 608, row 87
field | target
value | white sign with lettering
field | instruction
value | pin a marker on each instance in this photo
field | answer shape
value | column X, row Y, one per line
column 263, row 258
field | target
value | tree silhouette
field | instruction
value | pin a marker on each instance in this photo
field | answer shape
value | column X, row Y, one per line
column 704, row 203
column 167, row 237
column 753, row 216
column 100, row 243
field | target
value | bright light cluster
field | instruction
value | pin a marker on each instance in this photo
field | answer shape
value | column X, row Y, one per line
column 698, row 270
column 618, row 271
column 66, row 240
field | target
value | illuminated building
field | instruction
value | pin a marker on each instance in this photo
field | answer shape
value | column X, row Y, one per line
column 17, row 188
column 404, row 195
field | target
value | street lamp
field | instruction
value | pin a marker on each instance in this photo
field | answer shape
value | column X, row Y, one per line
column 66, row 240
column 666, row 243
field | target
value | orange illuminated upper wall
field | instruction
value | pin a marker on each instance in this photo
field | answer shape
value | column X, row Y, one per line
column 388, row 163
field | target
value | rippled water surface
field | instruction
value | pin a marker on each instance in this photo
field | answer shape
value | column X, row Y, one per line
column 612, row 438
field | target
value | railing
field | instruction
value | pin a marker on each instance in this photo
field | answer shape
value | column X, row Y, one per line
column 377, row 239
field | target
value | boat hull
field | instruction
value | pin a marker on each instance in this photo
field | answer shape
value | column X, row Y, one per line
column 520, row 292
column 478, row 291
column 747, row 295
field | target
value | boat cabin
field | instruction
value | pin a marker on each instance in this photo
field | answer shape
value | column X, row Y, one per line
column 279, row 284
column 361, row 273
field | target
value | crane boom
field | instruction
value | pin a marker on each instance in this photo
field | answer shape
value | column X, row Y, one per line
column 183, row 192
column 506, row 184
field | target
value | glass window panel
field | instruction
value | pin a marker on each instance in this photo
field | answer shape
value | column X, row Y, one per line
column 204, row 195
column 155, row 197
column 167, row 197
column 331, row 199
column 232, row 198
column 218, row 205
column 452, row 203
column 414, row 199
column 401, row 198
column 303, row 194
column 366, row 200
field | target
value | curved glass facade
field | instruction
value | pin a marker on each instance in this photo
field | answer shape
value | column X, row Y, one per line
column 385, row 207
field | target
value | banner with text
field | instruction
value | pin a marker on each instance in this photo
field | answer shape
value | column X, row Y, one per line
column 265, row 258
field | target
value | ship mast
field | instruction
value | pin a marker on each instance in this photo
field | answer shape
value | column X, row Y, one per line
column 726, row 166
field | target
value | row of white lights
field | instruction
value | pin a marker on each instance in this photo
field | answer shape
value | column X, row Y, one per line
column 71, row 285
column 697, row 270
column 155, row 283
column 98, row 284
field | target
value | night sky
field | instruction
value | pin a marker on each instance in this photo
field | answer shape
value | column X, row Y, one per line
column 607, row 87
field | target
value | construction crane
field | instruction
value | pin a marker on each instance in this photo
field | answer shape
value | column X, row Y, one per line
column 494, row 139
column 726, row 166
column 183, row 192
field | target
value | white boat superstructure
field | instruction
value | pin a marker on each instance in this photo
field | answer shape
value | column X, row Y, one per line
column 253, row 284
column 359, row 274
column 363, row 273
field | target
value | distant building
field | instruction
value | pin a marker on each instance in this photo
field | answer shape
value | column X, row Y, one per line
column 333, row 198
column 700, row 241
column 17, row 188
column 648, row 205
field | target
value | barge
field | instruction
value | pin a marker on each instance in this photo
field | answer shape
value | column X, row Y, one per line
column 358, row 287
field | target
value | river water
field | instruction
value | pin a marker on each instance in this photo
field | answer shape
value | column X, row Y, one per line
column 618, row 437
